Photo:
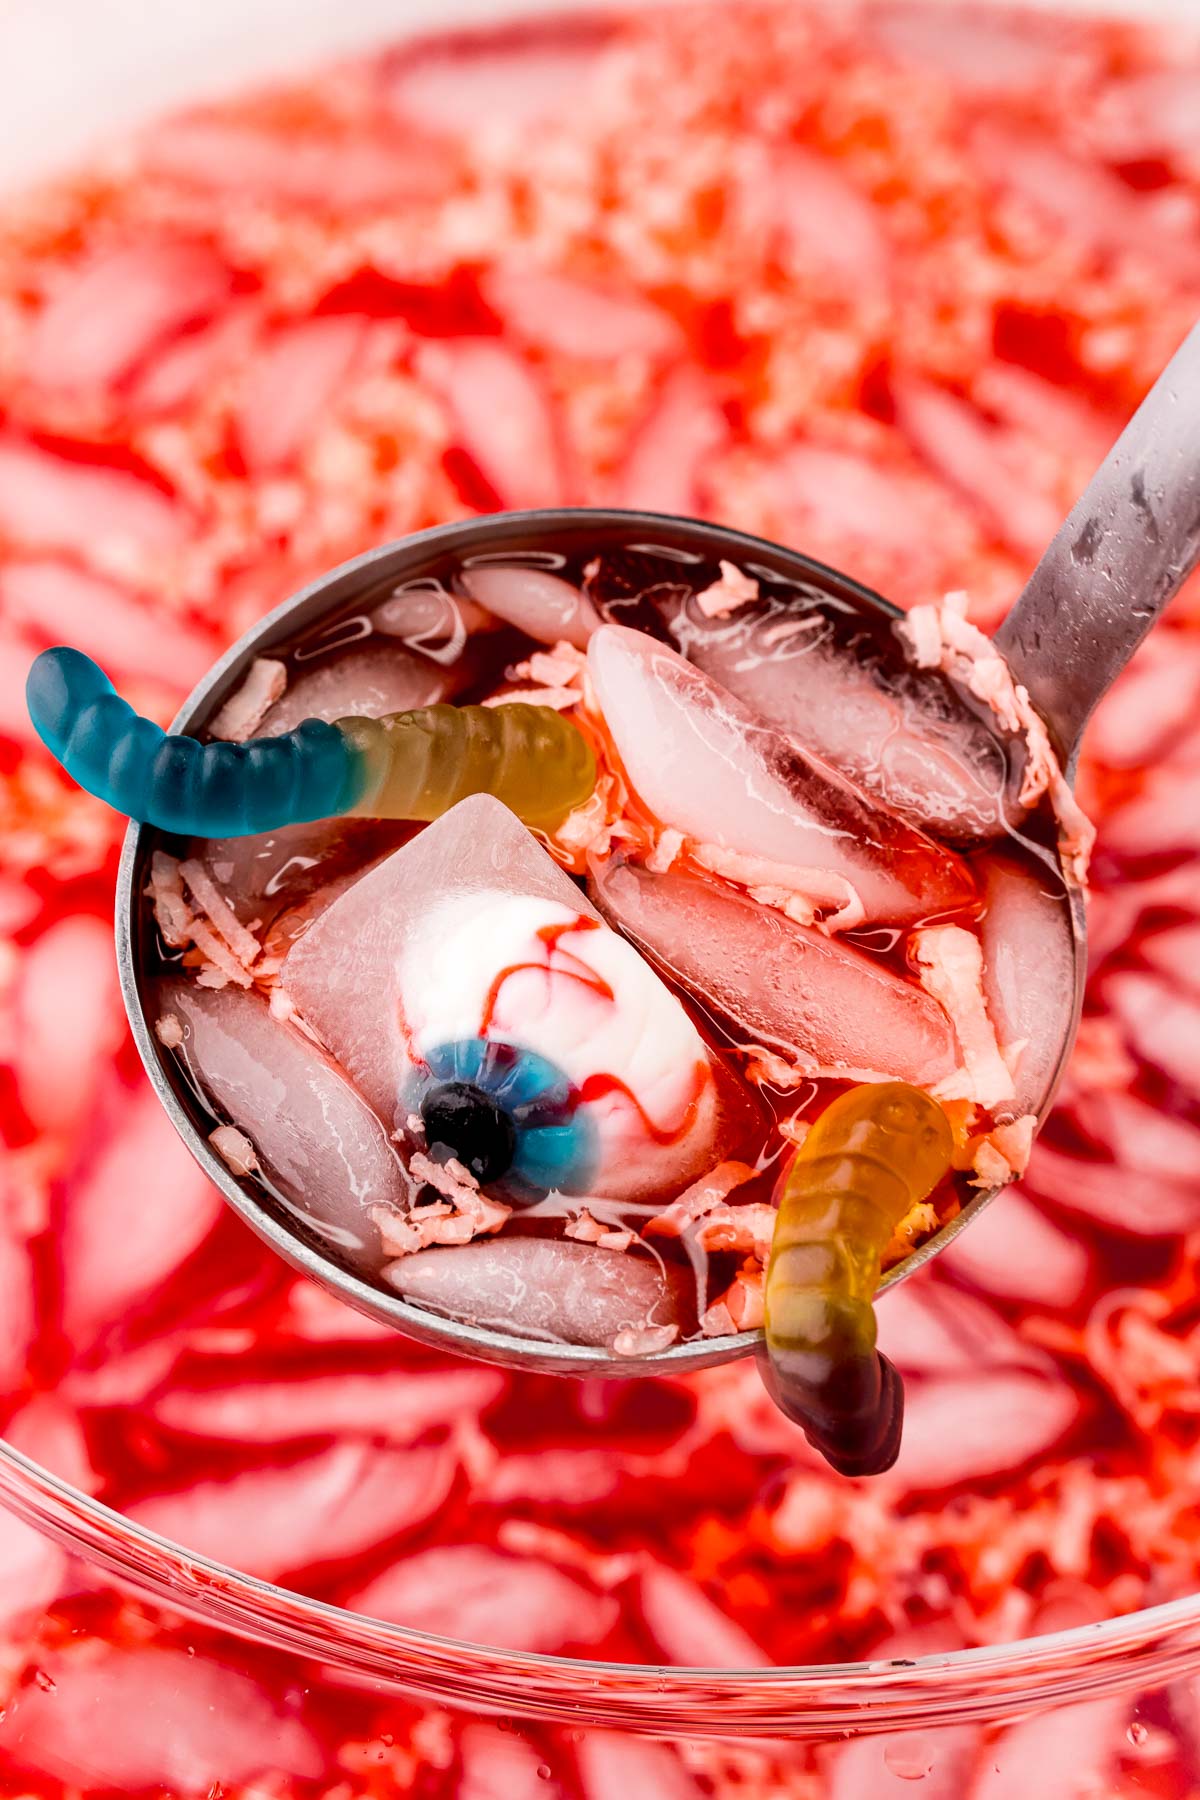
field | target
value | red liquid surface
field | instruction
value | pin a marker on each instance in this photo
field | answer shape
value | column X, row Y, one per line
column 885, row 293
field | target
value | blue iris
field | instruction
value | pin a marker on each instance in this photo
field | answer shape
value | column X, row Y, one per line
column 504, row 1088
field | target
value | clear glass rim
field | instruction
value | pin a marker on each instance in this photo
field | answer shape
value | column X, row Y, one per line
column 822, row 1701
column 1134, row 1650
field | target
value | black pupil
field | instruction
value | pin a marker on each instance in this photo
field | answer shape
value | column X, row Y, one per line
column 461, row 1119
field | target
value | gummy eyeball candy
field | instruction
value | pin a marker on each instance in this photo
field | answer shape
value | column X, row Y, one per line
column 481, row 1003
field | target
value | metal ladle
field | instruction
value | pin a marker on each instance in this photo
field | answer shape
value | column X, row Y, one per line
column 1122, row 554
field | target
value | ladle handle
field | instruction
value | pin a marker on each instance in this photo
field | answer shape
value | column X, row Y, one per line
column 1123, row 552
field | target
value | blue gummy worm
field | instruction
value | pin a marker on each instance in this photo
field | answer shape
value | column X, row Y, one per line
column 177, row 783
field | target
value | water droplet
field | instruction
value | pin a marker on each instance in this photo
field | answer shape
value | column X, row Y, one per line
column 1138, row 1734
column 216, row 1791
column 46, row 1682
column 543, row 1771
column 909, row 1758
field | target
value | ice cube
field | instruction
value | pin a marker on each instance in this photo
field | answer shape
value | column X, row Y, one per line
column 314, row 1136
column 359, row 684
column 275, row 871
column 892, row 1765
column 683, row 430
column 1071, row 1749
column 400, row 1405
column 570, row 317
column 902, row 735
column 815, row 999
column 146, row 1717
column 32, row 1572
column 112, row 310
column 48, row 1430
column 291, row 385
column 136, row 1211
column 546, row 1288
column 497, row 1764
column 69, row 1021
column 1028, row 972
column 1162, row 1024
column 689, row 1628
column 502, row 416
column 538, row 603
column 1053, row 1268
column 967, row 1427
column 1139, row 1136
column 636, row 1768
column 300, row 1515
column 481, row 1596
column 471, row 933
column 16, row 1309
column 1136, row 1201
column 928, row 1327
column 705, row 764
column 1176, row 952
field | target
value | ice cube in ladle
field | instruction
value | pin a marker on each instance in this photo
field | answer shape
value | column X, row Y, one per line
column 312, row 1135
column 1028, row 972
column 904, row 736
column 709, row 767
column 813, row 999
column 360, row 683
column 547, row 1288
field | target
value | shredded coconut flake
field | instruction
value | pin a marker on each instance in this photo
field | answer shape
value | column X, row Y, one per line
column 560, row 698
column 666, row 851
column 169, row 1031
column 766, row 1068
column 808, row 896
column 745, row 1228
column 733, row 589
column 245, row 710
column 234, row 1148
column 449, row 1178
column 718, row 1321
column 644, row 1340
column 950, row 963
column 744, row 1298
column 211, row 901
column 561, row 667
column 590, row 1231
column 940, row 636
column 699, row 1199
column 463, row 1212
column 1002, row 1154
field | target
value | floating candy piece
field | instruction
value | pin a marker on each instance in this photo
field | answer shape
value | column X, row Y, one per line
column 871, row 1156
column 412, row 765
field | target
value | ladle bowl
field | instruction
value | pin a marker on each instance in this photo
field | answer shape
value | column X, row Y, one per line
column 353, row 589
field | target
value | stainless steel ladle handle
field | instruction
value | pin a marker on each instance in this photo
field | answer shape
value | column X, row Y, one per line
column 1121, row 555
